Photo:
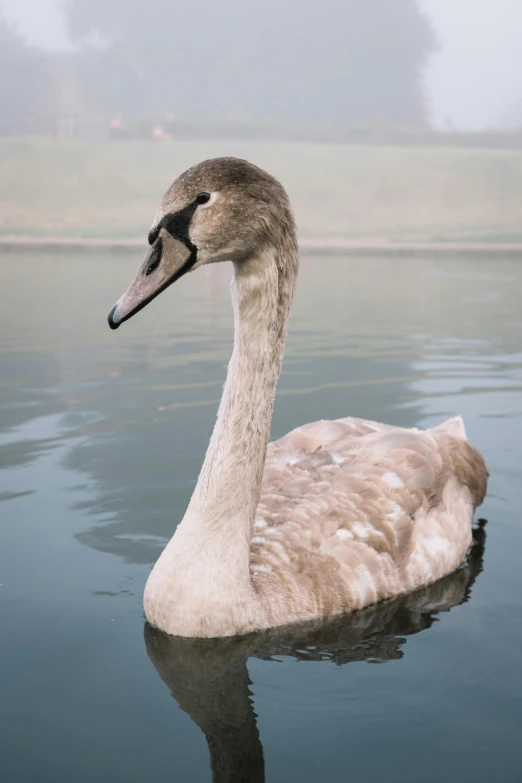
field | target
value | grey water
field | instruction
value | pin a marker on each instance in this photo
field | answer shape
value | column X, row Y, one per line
column 101, row 438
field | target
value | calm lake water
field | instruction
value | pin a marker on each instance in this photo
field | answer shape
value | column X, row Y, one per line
column 101, row 438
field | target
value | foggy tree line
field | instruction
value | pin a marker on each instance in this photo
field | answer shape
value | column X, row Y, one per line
column 343, row 61
column 25, row 80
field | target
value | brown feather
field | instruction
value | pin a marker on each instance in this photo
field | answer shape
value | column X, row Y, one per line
column 352, row 512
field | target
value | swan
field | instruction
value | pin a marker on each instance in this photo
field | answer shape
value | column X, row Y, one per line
column 334, row 516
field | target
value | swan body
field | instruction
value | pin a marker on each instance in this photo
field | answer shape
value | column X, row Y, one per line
column 335, row 516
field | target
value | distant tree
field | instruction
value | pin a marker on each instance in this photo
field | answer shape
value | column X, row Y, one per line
column 25, row 83
column 357, row 62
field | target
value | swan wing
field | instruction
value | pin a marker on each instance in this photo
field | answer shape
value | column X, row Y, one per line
column 352, row 512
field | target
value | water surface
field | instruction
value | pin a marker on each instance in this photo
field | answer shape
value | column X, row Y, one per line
column 101, row 438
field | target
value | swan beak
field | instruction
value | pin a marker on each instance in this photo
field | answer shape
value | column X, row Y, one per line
column 168, row 259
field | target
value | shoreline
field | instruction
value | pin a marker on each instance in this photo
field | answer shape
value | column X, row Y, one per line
column 308, row 246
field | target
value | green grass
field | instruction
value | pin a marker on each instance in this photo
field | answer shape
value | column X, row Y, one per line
column 79, row 189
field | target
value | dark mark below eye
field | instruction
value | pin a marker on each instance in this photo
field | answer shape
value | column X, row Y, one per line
column 155, row 257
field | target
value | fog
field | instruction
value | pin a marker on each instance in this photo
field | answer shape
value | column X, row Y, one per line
column 471, row 81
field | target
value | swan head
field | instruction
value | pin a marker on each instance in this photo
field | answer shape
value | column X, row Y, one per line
column 223, row 209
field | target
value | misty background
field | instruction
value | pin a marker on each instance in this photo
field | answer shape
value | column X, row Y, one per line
column 387, row 120
column 450, row 65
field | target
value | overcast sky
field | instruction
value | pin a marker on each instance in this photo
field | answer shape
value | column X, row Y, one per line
column 473, row 82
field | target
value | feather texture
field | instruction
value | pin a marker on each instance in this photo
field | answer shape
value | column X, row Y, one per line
column 353, row 512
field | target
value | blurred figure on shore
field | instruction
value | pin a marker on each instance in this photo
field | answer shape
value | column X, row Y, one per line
column 117, row 130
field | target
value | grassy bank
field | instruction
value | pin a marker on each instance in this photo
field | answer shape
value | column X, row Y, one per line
column 97, row 190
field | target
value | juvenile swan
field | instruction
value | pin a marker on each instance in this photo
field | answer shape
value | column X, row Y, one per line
column 334, row 516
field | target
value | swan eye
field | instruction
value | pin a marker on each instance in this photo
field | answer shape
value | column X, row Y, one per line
column 154, row 259
column 202, row 198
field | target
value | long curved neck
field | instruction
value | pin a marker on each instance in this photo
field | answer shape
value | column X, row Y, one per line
column 201, row 584
column 230, row 479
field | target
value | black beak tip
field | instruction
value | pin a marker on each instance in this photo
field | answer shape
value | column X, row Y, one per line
column 112, row 323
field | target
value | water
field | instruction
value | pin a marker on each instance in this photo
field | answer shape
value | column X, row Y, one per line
column 101, row 438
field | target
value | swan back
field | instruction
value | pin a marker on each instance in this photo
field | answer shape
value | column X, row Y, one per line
column 353, row 512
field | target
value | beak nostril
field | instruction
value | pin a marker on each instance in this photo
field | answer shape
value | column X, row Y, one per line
column 155, row 259
column 180, row 259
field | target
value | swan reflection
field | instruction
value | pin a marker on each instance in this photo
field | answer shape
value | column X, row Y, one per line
column 210, row 681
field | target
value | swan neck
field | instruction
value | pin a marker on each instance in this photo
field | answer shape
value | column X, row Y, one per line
column 201, row 584
column 229, row 485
